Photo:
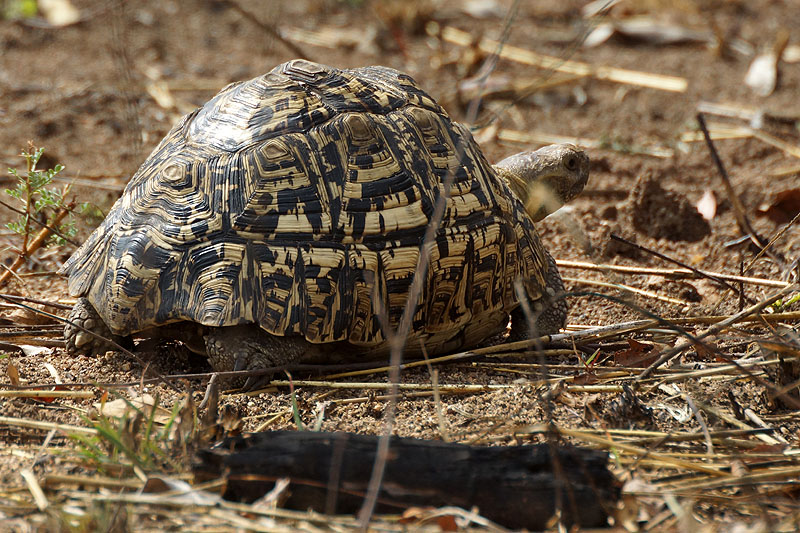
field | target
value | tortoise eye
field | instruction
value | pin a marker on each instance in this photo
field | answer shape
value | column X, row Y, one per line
column 571, row 163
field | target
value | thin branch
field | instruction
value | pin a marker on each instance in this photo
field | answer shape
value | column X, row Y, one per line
column 30, row 247
column 700, row 273
column 716, row 328
column 35, row 301
column 632, row 290
column 771, row 242
column 39, row 222
column 670, row 273
column 267, row 28
column 741, row 216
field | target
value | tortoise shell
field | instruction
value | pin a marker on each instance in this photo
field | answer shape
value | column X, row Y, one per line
column 299, row 201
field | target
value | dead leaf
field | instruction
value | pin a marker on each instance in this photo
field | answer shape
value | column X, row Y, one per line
column 447, row 522
column 568, row 399
column 482, row 9
column 762, row 76
column 639, row 355
column 587, row 378
column 765, row 449
column 415, row 514
column 181, row 490
column 600, row 34
column 13, row 374
column 53, row 372
column 184, row 425
column 56, row 377
column 598, row 7
column 708, row 354
column 647, row 30
column 28, row 317
column 33, row 351
column 231, row 420
column 791, row 54
column 738, row 468
column 156, row 484
column 59, row 12
column 121, row 406
column 707, row 206
column 784, row 208
column 160, row 93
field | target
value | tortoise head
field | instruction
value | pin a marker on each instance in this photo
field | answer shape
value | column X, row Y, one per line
column 547, row 178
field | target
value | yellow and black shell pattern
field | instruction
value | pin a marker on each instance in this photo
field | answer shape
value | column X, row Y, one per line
column 298, row 201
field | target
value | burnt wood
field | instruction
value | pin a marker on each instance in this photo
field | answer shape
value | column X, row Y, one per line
column 515, row 486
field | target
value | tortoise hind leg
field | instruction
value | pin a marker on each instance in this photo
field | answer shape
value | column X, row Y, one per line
column 83, row 314
column 550, row 313
column 248, row 347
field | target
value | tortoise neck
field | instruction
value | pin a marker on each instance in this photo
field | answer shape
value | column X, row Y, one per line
column 514, row 182
column 539, row 200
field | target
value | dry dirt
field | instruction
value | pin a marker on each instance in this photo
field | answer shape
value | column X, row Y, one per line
column 101, row 93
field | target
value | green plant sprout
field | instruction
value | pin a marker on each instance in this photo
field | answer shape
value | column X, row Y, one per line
column 40, row 203
column 132, row 439
column 590, row 361
column 780, row 305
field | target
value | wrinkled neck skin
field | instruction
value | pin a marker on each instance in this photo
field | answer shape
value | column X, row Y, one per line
column 538, row 198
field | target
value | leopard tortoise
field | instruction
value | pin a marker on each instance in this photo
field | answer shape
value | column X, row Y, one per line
column 277, row 221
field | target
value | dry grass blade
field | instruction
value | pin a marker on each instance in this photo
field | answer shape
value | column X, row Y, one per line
column 610, row 444
column 772, row 475
column 46, row 394
column 716, row 328
column 540, row 138
column 457, row 388
column 437, row 360
column 28, row 299
column 528, row 57
column 776, row 142
column 665, row 257
column 34, row 424
column 35, row 489
column 177, row 501
column 31, row 334
column 732, row 420
column 722, row 370
column 718, row 132
column 632, row 290
column 675, row 273
column 772, row 241
column 32, row 341
column 56, row 480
